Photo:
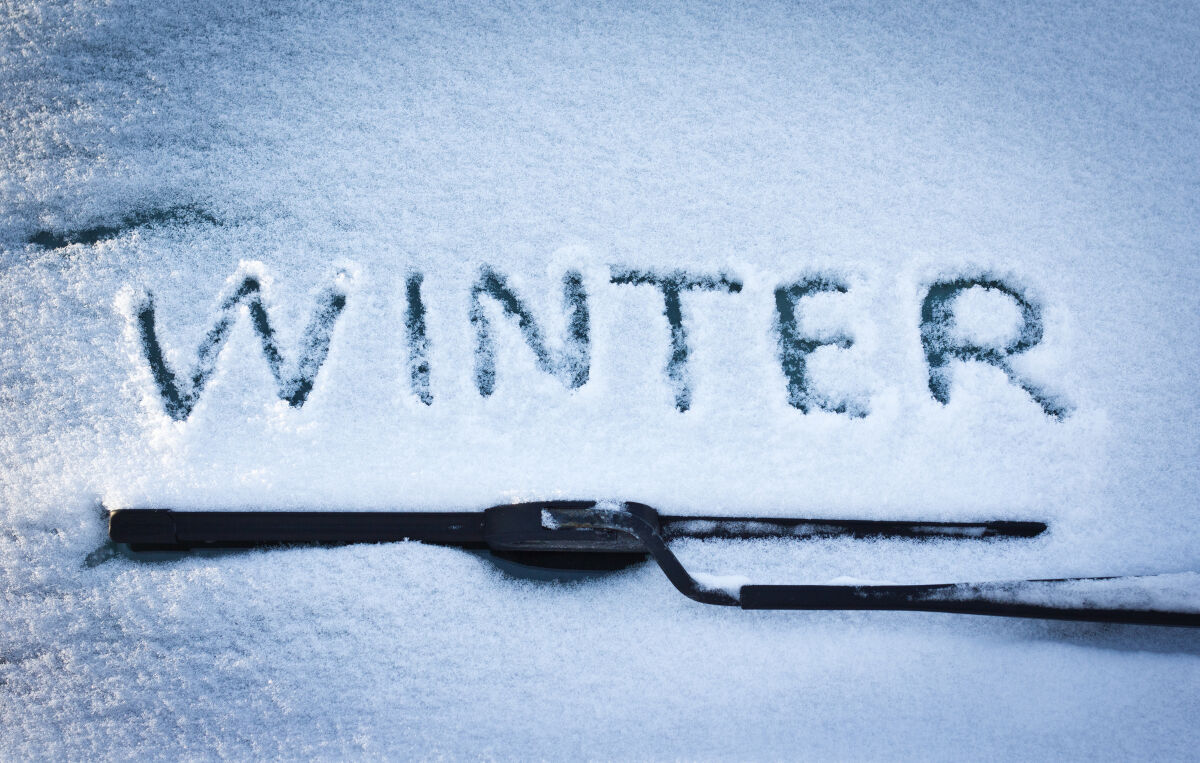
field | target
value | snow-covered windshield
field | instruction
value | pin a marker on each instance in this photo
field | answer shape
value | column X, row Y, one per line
column 910, row 261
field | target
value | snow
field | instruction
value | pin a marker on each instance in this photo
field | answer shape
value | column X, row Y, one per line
column 730, row 584
column 323, row 150
column 986, row 317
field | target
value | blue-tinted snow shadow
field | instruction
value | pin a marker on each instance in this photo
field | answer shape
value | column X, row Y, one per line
column 1117, row 637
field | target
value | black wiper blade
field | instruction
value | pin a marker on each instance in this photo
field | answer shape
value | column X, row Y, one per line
column 145, row 529
column 503, row 527
column 579, row 529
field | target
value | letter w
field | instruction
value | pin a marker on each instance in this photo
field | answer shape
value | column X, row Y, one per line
column 180, row 396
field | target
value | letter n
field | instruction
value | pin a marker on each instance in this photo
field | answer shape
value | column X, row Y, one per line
column 571, row 364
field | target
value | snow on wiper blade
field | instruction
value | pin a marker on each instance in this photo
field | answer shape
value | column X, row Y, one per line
column 736, row 527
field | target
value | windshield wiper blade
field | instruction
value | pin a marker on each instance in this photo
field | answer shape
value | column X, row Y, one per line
column 504, row 527
column 578, row 529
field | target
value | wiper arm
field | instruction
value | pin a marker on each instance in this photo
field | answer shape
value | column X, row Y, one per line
column 582, row 528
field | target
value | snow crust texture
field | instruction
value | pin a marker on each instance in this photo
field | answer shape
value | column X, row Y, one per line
column 911, row 261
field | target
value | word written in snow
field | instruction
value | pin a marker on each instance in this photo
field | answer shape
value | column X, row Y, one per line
column 570, row 362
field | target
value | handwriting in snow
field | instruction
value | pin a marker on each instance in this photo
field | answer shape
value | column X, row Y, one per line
column 570, row 360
